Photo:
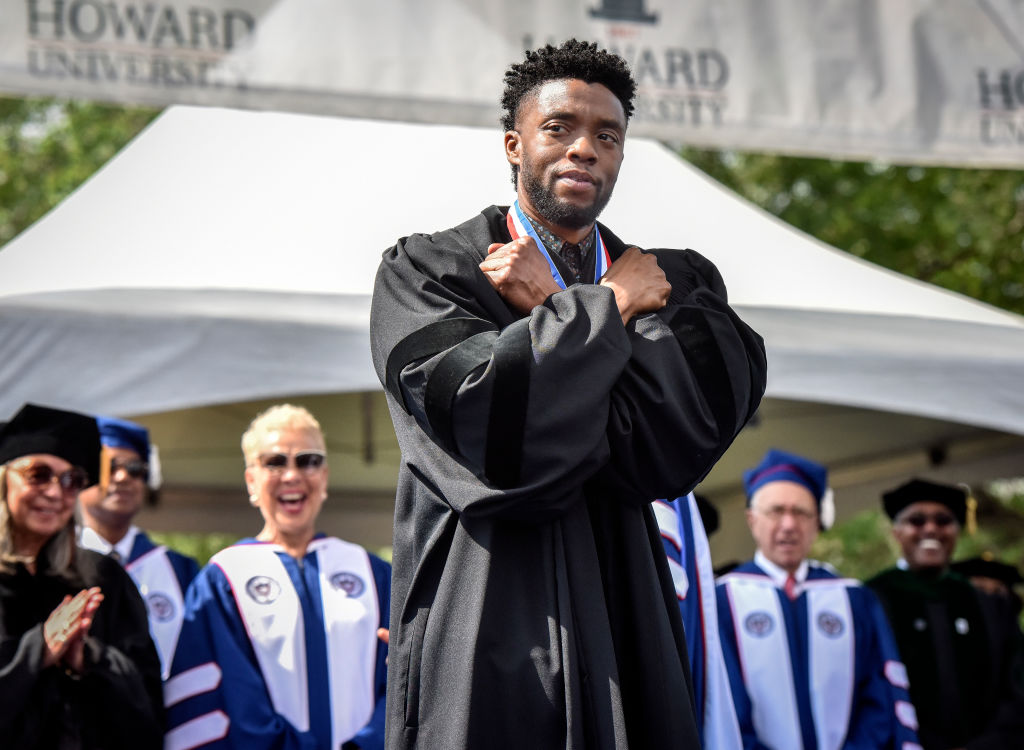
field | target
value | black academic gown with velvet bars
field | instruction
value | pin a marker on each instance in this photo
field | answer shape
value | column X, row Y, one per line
column 531, row 602
column 962, row 650
column 116, row 703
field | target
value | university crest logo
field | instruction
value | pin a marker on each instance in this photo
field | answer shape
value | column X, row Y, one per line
column 350, row 583
column 160, row 607
column 623, row 10
column 759, row 624
column 830, row 624
column 262, row 589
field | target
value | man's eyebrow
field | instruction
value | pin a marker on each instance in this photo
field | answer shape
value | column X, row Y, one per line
column 609, row 122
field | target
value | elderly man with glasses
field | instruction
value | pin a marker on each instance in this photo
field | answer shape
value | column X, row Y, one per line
column 961, row 646
column 812, row 662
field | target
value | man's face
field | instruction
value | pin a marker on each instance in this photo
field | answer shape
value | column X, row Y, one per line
column 568, row 146
column 125, row 493
column 783, row 520
column 927, row 533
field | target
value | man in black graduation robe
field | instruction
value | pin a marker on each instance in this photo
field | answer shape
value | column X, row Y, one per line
column 961, row 647
column 532, row 604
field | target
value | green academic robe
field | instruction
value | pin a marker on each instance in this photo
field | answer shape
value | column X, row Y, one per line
column 961, row 648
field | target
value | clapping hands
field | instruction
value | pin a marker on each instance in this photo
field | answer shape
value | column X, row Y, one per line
column 65, row 629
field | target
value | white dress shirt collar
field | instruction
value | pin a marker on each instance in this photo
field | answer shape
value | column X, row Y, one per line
column 777, row 574
column 89, row 539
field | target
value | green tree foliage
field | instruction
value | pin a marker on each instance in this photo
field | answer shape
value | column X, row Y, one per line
column 962, row 229
column 49, row 147
column 200, row 546
column 204, row 546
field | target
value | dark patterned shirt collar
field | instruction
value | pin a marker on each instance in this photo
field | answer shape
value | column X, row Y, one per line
column 553, row 243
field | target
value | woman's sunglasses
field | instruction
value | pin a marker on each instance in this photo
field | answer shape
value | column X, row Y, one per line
column 42, row 475
column 307, row 461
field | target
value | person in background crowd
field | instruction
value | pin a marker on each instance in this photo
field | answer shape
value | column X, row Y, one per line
column 547, row 382
column 992, row 577
column 961, row 646
column 78, row 669
column 812, row 661
column 279, row 646
column 162, row 575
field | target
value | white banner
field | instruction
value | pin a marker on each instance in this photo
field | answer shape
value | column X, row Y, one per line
column 929, row 81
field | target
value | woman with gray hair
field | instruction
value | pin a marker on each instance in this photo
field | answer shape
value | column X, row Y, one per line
column 77, row 666
column 279, row 645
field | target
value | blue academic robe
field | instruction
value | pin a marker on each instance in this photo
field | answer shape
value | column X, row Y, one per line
column 185, row 567
column 689, row 556
column 234, row 709
column 162, row 590
column 853, row 698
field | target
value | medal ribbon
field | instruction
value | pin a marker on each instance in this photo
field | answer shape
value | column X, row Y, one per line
column 519, row 226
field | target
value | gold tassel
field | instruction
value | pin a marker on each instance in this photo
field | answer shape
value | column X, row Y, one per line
column 105, row 458
column 972, row 515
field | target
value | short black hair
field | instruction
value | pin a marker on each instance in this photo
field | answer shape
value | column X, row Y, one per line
column 573, row 59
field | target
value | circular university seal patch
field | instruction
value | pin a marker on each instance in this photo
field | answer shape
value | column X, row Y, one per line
column 350, row 583
column 160, row 607
column 830, row 624
column 759, row 624
column 263, row 589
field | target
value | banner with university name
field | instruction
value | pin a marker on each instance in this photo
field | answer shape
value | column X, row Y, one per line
column 908, row 81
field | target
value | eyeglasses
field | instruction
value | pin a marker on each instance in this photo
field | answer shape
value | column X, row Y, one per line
column 42, row 475
column 306, row 461
column 776, row 512
column 134, row 468
column 920, row 520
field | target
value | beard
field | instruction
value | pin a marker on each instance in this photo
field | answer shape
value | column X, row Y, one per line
column 555, row 210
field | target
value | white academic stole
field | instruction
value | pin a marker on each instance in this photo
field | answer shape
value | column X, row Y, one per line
column 272, row 615
column 165, row 603
column 768, row 665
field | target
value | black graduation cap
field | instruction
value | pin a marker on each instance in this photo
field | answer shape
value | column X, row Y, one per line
column 42, row 429
column 920, row 491
column 985, row 568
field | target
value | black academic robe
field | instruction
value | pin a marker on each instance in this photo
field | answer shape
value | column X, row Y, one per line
column 116, row 703
column 962, row 649
column 531, row 601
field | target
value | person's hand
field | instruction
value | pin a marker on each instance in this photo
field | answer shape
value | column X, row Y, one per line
column 519, row 273
column 384, row 634
column 638, row 282
column 65, row 629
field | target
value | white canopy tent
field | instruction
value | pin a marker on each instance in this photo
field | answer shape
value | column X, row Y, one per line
column 228, row 256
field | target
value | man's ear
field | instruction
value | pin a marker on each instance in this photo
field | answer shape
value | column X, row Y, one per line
column 513, row 147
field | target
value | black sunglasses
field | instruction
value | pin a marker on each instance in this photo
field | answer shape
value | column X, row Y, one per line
column 42, row 475
column 135, row 468
column 307, row 461
column 919, row 520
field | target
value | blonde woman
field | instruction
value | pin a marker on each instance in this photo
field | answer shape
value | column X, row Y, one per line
column 77, row 666
column 279, row 646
